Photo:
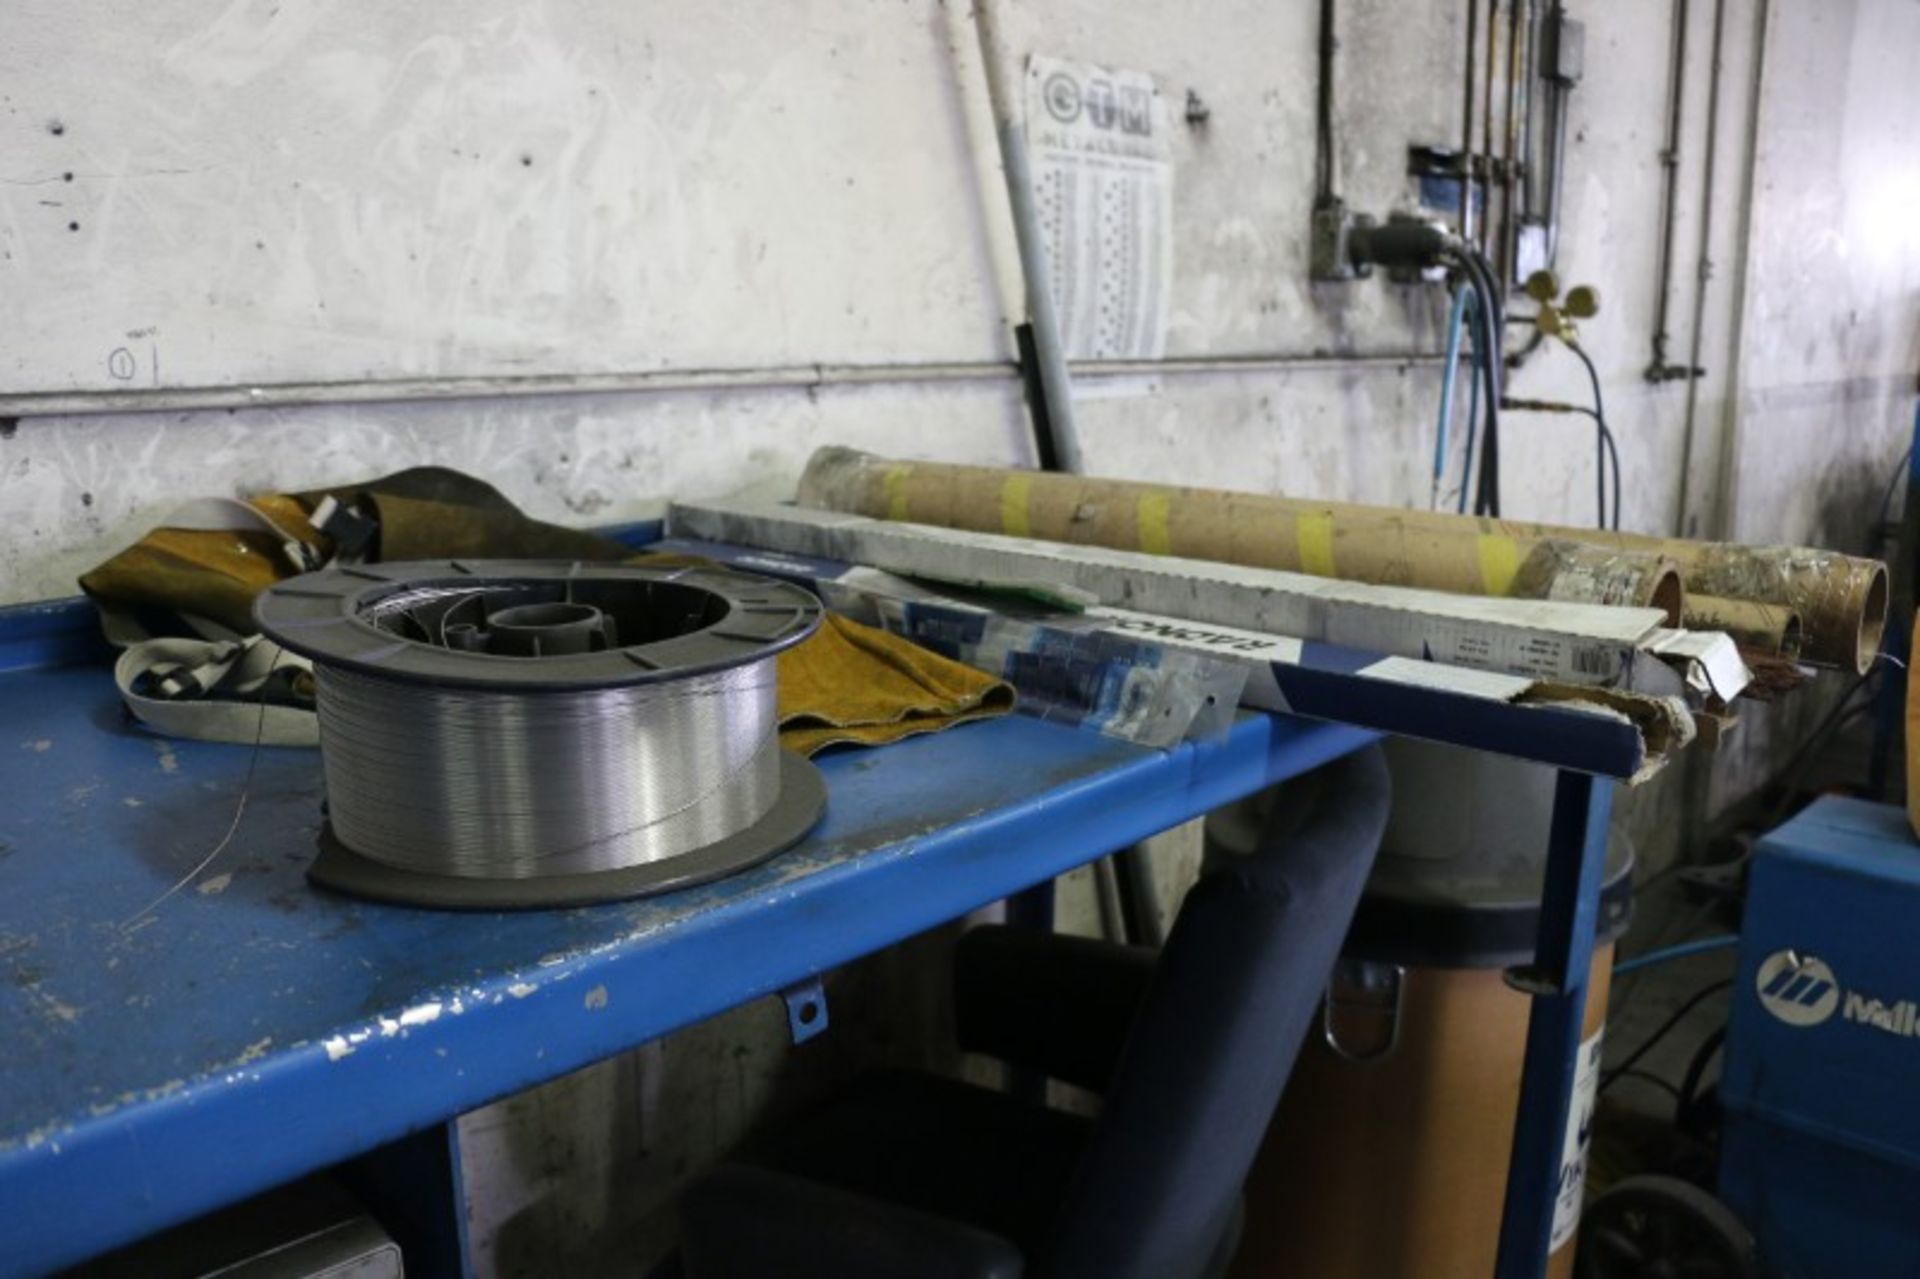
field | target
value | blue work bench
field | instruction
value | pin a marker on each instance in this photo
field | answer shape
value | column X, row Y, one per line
column 159, row 1061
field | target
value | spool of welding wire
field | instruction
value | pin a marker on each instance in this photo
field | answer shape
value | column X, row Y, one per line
column 507, row 733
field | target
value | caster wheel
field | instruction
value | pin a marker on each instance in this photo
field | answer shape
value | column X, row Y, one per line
column 1663, row 1228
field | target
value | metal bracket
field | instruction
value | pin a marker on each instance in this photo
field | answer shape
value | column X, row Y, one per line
column 1367, row 976
column 806, row 1009
column 1328, row 256
column 1533, row 980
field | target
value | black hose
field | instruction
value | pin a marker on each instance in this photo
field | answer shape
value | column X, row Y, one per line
column 1689, row 1094
column 1609, row 458
column 1648, row 1077
column 1613, row 456
column 1489, row 321
column 1603, row 443
column 1837, row 715
column 1323, row 157
column 1601, row 438
column 1666, row 1028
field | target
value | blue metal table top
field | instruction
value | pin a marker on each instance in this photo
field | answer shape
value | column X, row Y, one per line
column 156, row 1064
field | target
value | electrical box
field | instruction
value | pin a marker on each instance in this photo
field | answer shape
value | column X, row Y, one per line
column 1821, row 1153
column 1565, row 49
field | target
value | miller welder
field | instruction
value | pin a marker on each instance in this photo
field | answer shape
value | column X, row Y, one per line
column 1819, row 1149
column 1820, row 1155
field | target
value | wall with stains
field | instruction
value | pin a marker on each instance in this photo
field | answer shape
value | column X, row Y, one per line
column 282, row 200
column 524, row 218
column 286, row 198
column 300, row 191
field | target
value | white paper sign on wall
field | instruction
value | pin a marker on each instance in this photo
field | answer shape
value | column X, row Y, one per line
column 1103, row 182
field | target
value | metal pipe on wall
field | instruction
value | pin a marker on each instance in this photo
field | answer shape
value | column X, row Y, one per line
column 1325, row 161
column 1556, row 135
column 802, row 376
column 1513, row 161
column 1466, row 123
column 1532, row 197
column 1659, row 369
column 1486, row 126
column 1728, row 477
column 1703, row 271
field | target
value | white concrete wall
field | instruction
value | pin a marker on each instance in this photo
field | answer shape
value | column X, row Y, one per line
column 764, row 185
column 724, row 245
column 687, row 222
column 298, row 191
column 1831, row 319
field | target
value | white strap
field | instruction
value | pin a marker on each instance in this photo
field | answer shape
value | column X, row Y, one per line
column 123, row 630
column 200, row 689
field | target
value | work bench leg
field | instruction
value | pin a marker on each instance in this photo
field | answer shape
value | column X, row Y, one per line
column 1031, row 908
column 1557, row 980
column 414, row 1187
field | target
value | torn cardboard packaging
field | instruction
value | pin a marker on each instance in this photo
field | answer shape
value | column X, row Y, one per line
column 1067, row 665
column 1570, row 644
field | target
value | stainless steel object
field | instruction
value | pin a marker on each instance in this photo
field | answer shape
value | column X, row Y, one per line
column 505, row 733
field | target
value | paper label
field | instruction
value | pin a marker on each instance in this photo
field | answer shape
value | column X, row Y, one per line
column 1711, row 661
column 1103, row 184
column 1576, row 1142
column 1451, row 679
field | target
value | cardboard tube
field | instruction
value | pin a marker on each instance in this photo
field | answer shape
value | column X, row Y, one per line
column 1840, row 600
column 1357, row 543
column 1767, row 628
column 1556, row 569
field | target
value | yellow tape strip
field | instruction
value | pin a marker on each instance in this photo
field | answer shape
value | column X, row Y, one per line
column 1499, row 562
column 1013, row 505
column 896, row 489
column 1314, row 531
column 1150, row 516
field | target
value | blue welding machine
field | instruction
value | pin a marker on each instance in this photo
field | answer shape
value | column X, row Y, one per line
column 1821, row 1088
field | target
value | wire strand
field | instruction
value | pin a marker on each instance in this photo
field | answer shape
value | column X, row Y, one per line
column 239, row 807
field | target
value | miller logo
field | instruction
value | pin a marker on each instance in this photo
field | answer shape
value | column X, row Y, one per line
column 1798, row 989
column 1802, row 991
